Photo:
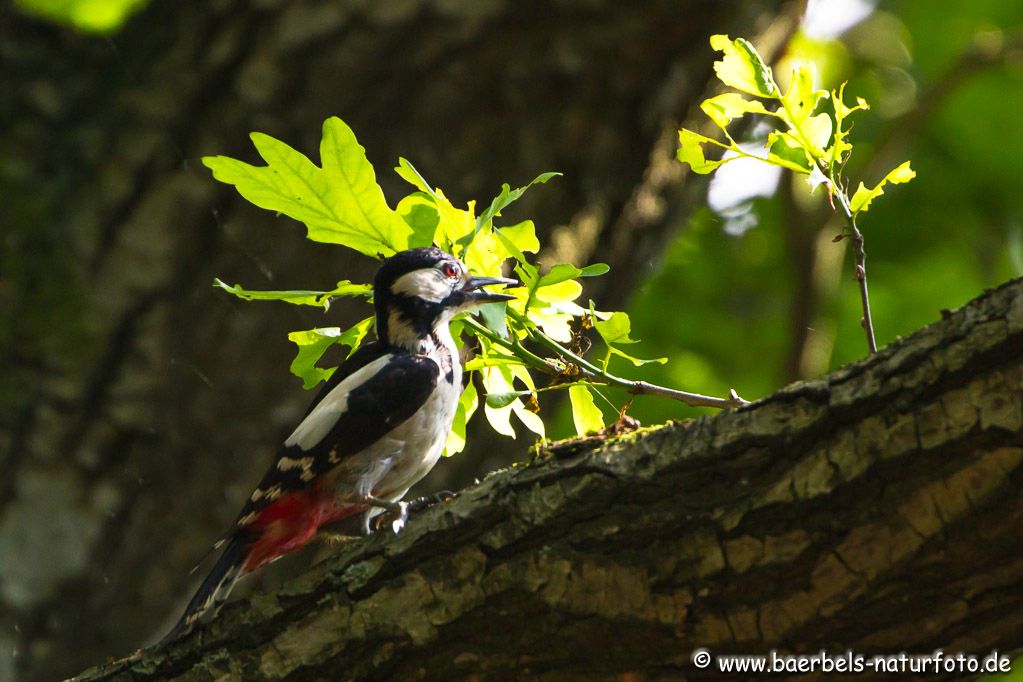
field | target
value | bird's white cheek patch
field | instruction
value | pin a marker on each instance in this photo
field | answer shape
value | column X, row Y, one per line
column 427, row 283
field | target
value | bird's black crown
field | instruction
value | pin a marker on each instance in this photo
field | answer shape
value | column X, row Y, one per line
column 405, row 262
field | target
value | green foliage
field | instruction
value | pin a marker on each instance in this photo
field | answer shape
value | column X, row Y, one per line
column 861, row 199
column 89, row 16
column 615, row 332
column 944, row 240
column 341, row 203
column 742, row 68
column 312, row 344
column 320, row 299
column 586, row 416
column 806, row 140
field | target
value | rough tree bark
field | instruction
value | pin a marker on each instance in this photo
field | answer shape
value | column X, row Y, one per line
column 137, row 406
column 877, row 508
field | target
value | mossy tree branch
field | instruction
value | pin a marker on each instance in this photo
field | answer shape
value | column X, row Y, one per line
column 877, row 508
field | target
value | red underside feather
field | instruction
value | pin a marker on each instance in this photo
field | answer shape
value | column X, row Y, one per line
column 291, row 522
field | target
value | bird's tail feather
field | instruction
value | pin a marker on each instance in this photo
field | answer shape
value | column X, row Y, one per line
column 215, row 588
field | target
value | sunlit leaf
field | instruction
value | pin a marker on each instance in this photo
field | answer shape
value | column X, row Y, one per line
column 565, row 271
column 863, row 197
column 486, row 253
column 840, row 146
column 634, row 360
column 615, row 329
column 742, row 68
column 339, row 203
column 787, row 152
column 564, row 290
column 522, row 236
column 91, row 16
column 420, row 213
column 554, row 324
column 531, row 421
column 616, row 332
column 508, row 196
column 802, row 97
column 559, row 273
column 799, row 103
column 691, row 151
column 455, row 223
column 725, row 108
column 408, row 172
column 817, row 131
column 492, row 360
column 586, row 416
column 467, row 403
column 497, row 381
column 312, row 344
column 315, row 298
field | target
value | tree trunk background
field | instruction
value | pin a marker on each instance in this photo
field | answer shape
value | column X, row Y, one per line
column 878, row 508
column 137, row 405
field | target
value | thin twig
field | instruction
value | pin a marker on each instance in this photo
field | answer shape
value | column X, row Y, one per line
column 596, row 374
column 860, row 255
column 590, row 371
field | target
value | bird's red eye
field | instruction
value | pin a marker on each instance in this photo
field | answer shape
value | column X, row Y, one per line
column 450, row 270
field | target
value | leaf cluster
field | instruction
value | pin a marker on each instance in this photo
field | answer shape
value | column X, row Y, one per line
column 806, row 138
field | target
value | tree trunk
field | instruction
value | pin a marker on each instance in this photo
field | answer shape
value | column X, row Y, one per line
column 877, row 508
column 137, row 405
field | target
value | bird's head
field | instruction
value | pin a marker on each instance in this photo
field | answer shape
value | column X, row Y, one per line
column 418, row 291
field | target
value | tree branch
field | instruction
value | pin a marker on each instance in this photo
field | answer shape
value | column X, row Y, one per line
column 877, row 508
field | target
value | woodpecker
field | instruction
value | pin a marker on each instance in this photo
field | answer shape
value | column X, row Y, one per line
column 376, row 428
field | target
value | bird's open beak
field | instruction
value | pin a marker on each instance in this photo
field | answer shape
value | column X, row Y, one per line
column 475, row 295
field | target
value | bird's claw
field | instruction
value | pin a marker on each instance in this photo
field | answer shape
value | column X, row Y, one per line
column 394, row 518
column 399, row 518
column 421, row 503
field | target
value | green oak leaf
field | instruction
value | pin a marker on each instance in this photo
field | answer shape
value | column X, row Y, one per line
column 840, row 146
column 691, row 151
column 725, row 108
column 863, row 197
column 565, row 271
column 742, row 68
column 785, row 151
column 340, row 202
column 313, row 343
column 508, row 196
column 615, row 329
column 467, row 404
column 586, row 416
column 314, row 298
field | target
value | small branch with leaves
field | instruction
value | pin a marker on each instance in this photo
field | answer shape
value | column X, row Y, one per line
column 341, row 203
column 806, row 141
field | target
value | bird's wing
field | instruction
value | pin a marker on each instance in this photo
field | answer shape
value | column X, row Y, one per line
column 354, row 414
column 367, row 353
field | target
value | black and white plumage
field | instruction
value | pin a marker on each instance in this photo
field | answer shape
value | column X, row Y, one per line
column 376, row 428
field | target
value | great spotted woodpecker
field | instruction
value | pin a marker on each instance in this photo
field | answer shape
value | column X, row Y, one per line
column 376, row 428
